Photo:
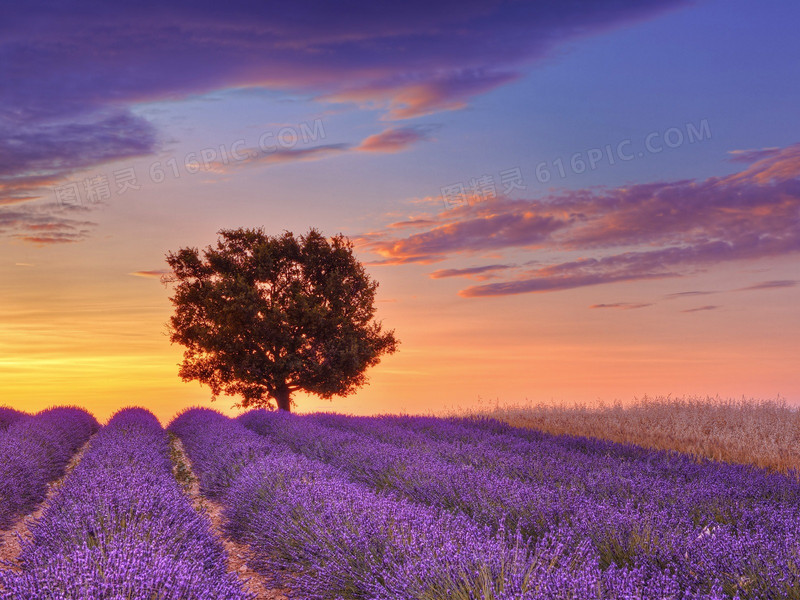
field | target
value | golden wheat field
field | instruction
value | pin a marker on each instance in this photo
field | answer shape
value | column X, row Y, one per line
column 765, row 433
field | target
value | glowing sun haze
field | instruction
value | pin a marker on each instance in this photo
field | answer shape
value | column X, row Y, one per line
column 562, row 201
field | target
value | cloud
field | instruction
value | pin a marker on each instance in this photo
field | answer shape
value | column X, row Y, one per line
column 701, row 308
column 751, row 155
column 390, row 140
column 764, row 285
column 771, row 285
column 155, row 274
column 254, row 156
column 622, row 305
column 637, row 232
column 36, row 156
column 480, row 273
column 393, row 140
column 71, row 75
column 689, row 293
column 773, row 167
column 472, row 233
column 412, row 224
column 417, row 53
column 580, row 273
column 44, row 224
column 417, row 99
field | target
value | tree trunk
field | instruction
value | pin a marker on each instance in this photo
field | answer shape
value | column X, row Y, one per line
column 282, row 397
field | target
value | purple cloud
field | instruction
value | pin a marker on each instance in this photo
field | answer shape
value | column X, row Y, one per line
column 647, row 231
column 255, row 156
column 764, row 285
column 580, row 273
column 388, row 141
column 480, row 273
column 71, row 71
column 771, row 285
column 689, row 293
column 36, row 155
column 97, row 55
column 44, row 224
column 701, row 308
column 471, row 233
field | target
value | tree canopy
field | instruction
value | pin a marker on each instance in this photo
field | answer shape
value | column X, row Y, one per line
column 263, row 316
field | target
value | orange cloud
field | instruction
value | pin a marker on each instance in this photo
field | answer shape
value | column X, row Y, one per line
column 623, row 305
column 412, row 223
column 155, row 274
column 436, row 94
column 392, row 140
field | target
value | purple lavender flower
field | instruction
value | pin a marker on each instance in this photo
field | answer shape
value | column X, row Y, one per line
column 35, row 450
column 121, row 527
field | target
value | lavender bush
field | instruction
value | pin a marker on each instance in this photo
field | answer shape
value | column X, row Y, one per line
column 347, row 540
column 121, row 528
column 401, row 508
column 35, row 450
column 8, row 416
column 708, row 526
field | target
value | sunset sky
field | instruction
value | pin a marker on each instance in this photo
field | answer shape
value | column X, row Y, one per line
column 563, row 201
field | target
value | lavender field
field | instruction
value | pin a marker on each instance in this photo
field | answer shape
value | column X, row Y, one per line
column 334, row 507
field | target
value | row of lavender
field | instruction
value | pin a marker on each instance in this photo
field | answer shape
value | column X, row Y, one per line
column 121, row 527
column 8, row 416
column 35, row 450
column 342, row 538
column 702, row 525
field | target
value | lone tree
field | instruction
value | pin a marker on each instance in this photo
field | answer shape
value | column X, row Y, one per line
column 263, row 316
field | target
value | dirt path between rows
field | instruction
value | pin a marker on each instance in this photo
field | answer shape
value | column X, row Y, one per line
column 11, row 539
column 238, row 555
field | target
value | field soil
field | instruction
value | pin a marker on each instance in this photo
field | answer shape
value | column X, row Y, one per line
column 11, row 539
column 239, row 555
